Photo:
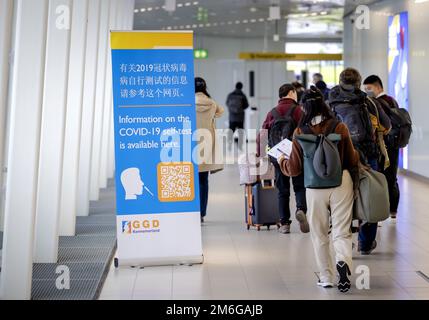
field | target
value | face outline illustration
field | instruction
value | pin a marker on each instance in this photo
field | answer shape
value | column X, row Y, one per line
column 132, row 183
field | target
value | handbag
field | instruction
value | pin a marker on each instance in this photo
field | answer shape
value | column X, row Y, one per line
column 372, row 197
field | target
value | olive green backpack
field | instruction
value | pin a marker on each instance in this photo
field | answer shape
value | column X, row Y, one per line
column 322, row 163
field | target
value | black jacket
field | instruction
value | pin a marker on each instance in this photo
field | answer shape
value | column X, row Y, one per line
column 237, row 103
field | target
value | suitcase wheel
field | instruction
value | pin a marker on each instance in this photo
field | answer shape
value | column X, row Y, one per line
column 259, row 228
column 268, row 227
column 248, row 227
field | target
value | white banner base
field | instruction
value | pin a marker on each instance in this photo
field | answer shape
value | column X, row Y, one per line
column 156, row 262
column 159, row 239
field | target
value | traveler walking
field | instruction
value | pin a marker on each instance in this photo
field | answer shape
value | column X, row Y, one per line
column 285, row 117
column 330, row 197
column 236, row 103
column 207, row 111
column 362, row 116
column 374, row 88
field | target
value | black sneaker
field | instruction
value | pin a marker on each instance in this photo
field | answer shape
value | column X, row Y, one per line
column 368, row 252
column 202, row 219
column 344, row 283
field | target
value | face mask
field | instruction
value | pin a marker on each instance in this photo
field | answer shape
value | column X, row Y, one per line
column 370, row 93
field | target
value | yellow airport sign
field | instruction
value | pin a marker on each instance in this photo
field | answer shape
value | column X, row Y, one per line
column 290, row 56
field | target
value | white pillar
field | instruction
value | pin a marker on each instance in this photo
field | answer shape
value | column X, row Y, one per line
column 130, row 15
column 69, row 186
column 94, row 186
column 23, row 155
column 6, row 16
column 52, row 131
column 111, row 133
column 108, row 102
column 91, row 57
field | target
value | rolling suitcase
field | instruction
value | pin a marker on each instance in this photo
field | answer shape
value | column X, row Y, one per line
column 261, row 205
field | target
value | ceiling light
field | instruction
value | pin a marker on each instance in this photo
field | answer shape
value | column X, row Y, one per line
column 253, row 9
column 142, row 10
column 248, row 30
column 237, row 22
column 194, row 26
column 253, row 20
column 215, row 24
column 274, row 13
column 201, row 25
column 170, row 5
column 136, row 10
column 245, row 21
column 188, row 26
column 260, row 19
column 187, row 4
column 179, row 5
column 229, row 22
column 149, row 9
column 195, row 3
column 156, row 8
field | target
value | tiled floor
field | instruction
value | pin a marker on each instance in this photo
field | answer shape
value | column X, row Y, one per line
column 241, row 264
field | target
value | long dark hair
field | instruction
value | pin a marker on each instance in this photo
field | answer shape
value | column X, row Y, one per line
column 201, row 86
column 314, row 105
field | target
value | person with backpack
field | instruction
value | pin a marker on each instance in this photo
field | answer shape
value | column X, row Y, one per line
column 236, row 103
column 397, row 138
column 323, row 87
column 323, row 150
column 280, row 124
column 362, row 116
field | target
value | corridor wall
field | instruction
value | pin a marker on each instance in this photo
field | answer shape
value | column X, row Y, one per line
column 367, row 50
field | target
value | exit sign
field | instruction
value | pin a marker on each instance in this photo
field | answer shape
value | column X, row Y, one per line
column 201, row 54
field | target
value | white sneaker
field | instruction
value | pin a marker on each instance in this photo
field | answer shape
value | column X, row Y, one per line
column 325, row 284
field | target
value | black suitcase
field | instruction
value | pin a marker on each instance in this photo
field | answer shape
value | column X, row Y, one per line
column 261, row 203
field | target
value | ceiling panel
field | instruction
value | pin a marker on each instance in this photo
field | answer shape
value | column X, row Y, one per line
column 300, row 19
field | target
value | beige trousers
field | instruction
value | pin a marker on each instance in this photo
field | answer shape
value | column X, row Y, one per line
column 338, row 203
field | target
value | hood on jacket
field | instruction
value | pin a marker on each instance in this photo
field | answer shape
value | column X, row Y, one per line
column 339, row 94
column 203, row 103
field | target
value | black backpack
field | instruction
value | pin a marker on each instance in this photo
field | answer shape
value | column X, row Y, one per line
column 235, row 103
column 402, row 125
column 282, row 128
column 355, row 114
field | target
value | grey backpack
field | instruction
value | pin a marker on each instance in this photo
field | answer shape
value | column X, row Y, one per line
column 322, row 162
column 372, row 202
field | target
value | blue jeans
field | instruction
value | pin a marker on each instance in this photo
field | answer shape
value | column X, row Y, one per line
column 204, row 192
column 368, row 231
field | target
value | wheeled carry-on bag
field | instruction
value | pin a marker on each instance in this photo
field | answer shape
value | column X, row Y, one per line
column 261, row 205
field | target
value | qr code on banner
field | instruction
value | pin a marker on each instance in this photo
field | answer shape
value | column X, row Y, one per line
column 176, row 182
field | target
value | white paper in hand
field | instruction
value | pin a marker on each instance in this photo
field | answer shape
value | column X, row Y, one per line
column 284, row 148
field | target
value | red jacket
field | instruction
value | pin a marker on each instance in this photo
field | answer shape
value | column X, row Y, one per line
column 283, row 108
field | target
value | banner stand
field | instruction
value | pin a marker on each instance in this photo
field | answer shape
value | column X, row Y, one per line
column 157, row 193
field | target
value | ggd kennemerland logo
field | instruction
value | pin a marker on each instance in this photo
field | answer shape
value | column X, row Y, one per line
column 140, row 226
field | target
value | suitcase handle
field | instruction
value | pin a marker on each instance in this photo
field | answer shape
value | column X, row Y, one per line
column 270, row 184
